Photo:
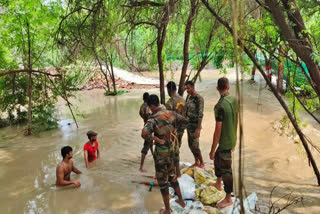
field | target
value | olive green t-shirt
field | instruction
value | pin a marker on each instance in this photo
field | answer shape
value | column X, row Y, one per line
column 226, row 111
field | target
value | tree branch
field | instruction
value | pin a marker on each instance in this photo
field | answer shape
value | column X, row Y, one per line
column 26, row 70
column 133, row 4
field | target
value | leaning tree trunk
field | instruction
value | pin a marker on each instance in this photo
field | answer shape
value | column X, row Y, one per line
column 294, row 32
column 193, row 8
column 105, row 74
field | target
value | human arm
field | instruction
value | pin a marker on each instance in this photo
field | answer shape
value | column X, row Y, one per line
column 197, row 131
column 200, row 116
column 147, row 130
column 216, row 139
column 98, row 153
column 75, row 170
column 61, row 181
column 141, row 112
column 219, row 115
column 85, row 152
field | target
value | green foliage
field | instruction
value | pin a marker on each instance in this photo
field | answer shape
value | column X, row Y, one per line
column 70, row 37
column 43, row 117
column 218, row 58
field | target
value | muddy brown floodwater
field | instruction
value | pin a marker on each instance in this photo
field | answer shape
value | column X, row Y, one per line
column 27, row 169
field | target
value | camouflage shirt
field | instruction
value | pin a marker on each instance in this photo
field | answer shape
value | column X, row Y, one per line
column 177, row 104
column 144, row 112
column 195, row 105
column 162, row 125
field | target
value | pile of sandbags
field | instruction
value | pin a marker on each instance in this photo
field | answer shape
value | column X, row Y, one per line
column 206, row 194
column 201, row 197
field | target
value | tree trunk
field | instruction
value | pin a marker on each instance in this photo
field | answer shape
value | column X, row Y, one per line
column 160, row 43
column 29, row 82
column 274, row 91
column 162, row 30
column 112, row 76
column 105, row 74
column 253, row 71
column 193, row 8
column 296, row 37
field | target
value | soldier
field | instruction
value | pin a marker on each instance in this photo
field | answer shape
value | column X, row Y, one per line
column 144, row 114
column 194, row 114
column 161, row 124
column 177, row 104
column 225, row 137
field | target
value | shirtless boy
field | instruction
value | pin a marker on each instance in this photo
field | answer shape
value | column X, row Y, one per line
column 65, row 167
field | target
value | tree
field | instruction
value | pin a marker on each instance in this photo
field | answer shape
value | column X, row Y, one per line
column 139, row 14
column 240, row 42
column 193, row 10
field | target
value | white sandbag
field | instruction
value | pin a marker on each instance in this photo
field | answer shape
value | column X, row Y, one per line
column 192, row 207
column 249, row 204
column 187, row 187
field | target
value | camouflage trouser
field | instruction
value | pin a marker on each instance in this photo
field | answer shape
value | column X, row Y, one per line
column 222, row 165
column 164, row 165
column 193, row 142
column 177, row 147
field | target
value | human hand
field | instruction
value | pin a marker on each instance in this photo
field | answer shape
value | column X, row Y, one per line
column 211, row 155
column 197, row 133
column 158, row 140
column 77, row 183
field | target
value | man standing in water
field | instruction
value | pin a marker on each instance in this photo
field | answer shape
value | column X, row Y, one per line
column 177, row 104
column 161, row 124
column 65, row 167
column 144, row 114
column 91, row 148
column 225, row 135
column 195, row 106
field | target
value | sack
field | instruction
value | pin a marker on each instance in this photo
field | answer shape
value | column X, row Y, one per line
column 199, row 176
column 187, row 187
column 211, row 210
column 211, row 195
column 188, row 171
column 192, row 207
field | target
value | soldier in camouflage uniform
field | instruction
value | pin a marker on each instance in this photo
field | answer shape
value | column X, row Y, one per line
column 177, row 104
column 225, row 137
column 161, row 123
column 144, row 114
column 194, row 114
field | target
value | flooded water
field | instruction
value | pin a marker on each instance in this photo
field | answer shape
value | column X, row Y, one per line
column 27, row 170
